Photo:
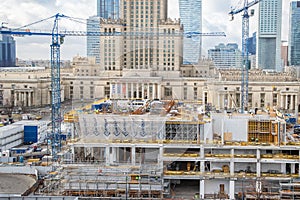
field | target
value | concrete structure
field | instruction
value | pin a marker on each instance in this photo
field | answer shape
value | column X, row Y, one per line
column 7, row 51
column 226, row 56
column 294, row 34
column 269, row 35
column 191, row 20
column 221, row 157
column 15, row 185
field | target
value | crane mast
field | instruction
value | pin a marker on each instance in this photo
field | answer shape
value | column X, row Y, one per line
column 245, row 53
column 55, row 89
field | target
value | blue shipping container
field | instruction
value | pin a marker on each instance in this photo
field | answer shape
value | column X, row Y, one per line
column 30, row 134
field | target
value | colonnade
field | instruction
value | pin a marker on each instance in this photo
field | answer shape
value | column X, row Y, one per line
column 289, row 101
column 23, row 98
column 135, row 90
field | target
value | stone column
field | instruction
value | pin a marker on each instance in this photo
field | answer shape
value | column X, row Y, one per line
column 158, row 91
column 132, row 93
column 153, row 90
column 286, row 102
column 29, row 99
column 143, row 91
column 15, row 98
column 148, row 90
column 137, row 90
column 111, row 90
column 292, row 103
column 126, row 91
column 281, row 101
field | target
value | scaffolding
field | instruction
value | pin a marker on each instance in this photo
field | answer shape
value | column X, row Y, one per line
column 101, row 181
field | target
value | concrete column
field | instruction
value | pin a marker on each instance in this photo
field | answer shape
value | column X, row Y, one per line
column 133, row 155
column 160, row 156
column 132, row 92
column 283, row 168
column 202, row 166
column 231, row 190
column 158, row 91
column 153, row 91
column 258, row 164
column 281, row 101
column 202, row 189
column 286, row 102
column 25, row 99
column 292, row 103
column 293, row 168
column 143, row 91
column 107, row 155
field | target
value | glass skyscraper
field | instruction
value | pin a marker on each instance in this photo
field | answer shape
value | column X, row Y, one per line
column 191, row 19
column 269, row 35
column 108, row 9
column 93, row 42
column 7, row 51
column 294, row 34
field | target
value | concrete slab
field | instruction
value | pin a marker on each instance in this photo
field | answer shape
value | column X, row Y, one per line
column 15, row 183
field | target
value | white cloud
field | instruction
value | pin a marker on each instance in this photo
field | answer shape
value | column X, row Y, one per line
column 18, row 13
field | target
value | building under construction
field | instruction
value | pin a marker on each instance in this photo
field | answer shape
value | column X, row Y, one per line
column 173, row 150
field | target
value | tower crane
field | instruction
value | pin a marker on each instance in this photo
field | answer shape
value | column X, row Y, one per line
column 57, row 40
column 245, row 52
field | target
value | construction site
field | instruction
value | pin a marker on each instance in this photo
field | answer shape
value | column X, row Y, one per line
column 142, row 149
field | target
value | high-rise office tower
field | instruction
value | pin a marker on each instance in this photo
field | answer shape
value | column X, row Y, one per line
column 108, row 9
column 269, row 35
column 93, row 41
column 191, row 19
column 7, row 51
column 294, row 34
column 226, row 56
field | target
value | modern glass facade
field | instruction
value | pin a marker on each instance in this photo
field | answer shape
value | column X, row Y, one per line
column 191, row 19
column 226, row 56
column 294, row 34
column 93, row 42
column 108, row 9
column 7, row 51
column 269, row 35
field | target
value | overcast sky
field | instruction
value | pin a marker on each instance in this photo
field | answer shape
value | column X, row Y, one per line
column 21, row 12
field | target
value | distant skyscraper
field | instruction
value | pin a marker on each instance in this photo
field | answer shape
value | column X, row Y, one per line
column 252, row 44
column 191, row 19
column 108, row 9
column 294, row 34
column 93, row 42
column 269, row 35
column 7, row 51
column 226, row 56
